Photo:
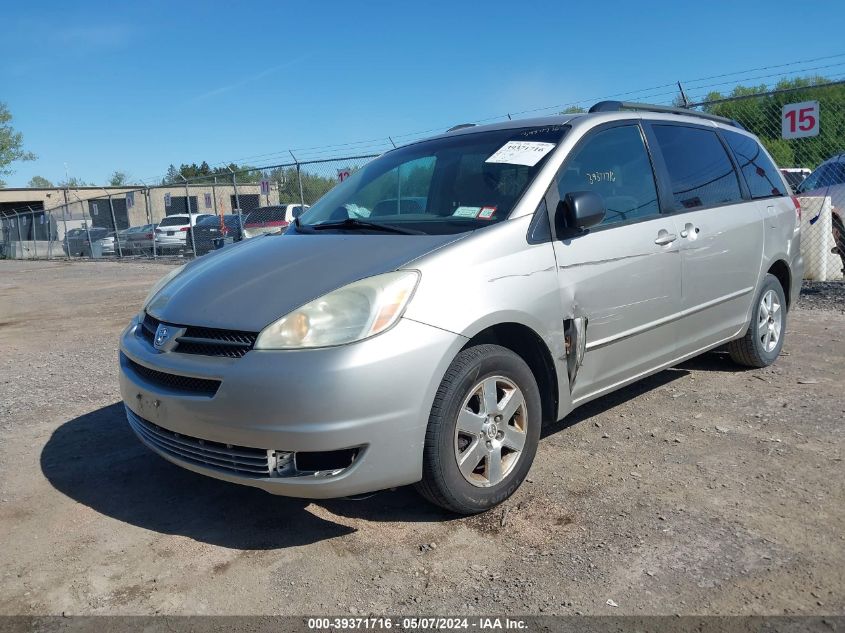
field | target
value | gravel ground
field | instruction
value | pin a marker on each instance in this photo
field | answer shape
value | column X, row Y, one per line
column 823, row 295
column 704, row 489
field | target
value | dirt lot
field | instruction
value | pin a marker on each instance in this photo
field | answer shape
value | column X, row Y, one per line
column 701, row 490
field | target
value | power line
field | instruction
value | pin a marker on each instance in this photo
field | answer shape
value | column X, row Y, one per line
column 377, row 145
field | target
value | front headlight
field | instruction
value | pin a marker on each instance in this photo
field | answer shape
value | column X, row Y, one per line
column 161, row 283
column 353, row 313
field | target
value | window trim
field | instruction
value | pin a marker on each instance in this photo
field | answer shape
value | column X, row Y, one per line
column 671, row 208
column 551, row 197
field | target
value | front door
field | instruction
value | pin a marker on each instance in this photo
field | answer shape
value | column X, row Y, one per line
column 623, row 277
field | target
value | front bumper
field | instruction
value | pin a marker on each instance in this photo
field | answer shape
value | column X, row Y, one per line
column 375, row 395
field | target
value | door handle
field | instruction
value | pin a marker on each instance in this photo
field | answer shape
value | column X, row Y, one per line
column 690, row 230
column 664, row 238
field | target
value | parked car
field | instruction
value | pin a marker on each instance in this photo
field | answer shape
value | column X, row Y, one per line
column 141, row 240
column 171, row 232
column 828, row 179
column 271, row 219
column 554, row 261
column 77, row 244
column 123, row 238
column 794, row 176
column 208, row 229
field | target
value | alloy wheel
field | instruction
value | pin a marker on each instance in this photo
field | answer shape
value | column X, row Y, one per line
column 490, row 431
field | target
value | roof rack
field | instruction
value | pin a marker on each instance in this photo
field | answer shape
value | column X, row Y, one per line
column 617, row 106
column 460, row 126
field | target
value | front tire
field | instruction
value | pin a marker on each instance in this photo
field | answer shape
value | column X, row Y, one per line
column 763, row 341
column 483, row 431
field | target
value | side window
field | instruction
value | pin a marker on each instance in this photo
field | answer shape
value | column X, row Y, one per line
column 613, row 163
column 760, row 173
column 700, row 170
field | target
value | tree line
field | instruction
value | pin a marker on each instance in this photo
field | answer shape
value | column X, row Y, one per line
column 762, row 116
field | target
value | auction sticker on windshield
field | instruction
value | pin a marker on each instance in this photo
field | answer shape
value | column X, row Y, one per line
column 526, row 153
column 466, row 212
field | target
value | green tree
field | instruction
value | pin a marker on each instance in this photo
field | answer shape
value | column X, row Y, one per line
column 761, row 115
column 11, row 144
column 73, row 183
column 118, row 178
column 171, row 176
column 204, row 173
column 573, row 109
column 39, row 182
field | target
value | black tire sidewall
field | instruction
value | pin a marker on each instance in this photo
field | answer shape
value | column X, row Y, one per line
column 771, row 283
column 501, row 362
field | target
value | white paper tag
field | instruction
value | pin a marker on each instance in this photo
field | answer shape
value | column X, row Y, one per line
column 526, row 153
column 466, row 212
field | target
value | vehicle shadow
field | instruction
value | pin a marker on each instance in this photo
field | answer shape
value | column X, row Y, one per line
column 96, row 460
column 714, row 361
column 614, row 399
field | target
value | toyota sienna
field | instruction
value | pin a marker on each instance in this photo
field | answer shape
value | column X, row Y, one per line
column 425, row 317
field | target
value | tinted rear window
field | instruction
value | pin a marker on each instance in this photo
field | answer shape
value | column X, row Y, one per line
column 174, row 220
column 267, row 214
column 700, row 171
column 208, row 220
column 760, row 173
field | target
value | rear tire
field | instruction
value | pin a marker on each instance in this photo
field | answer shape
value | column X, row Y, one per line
column 763, row 340
column 483, row 431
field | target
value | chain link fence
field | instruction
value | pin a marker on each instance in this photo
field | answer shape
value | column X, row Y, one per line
column 803, row 128
column 176, row 220
column 804, row 131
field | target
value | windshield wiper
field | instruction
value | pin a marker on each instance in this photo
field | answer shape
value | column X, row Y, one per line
column 360, row 225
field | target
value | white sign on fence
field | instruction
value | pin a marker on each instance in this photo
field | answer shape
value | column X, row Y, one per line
column 130, row 199
column 265, row 187
column 167, row 200
column 207, row 200
column 799, row 120
column 343, row 174
column 94, row 209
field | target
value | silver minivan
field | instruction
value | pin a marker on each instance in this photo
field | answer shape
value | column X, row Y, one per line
column 422, row 320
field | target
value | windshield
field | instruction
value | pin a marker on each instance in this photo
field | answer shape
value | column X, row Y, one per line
column 445, row 185
column 825, row 176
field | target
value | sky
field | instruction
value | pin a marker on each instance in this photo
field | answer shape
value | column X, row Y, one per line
column 104, row 86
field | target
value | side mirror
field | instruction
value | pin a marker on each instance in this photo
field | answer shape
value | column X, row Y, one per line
column 579, row 210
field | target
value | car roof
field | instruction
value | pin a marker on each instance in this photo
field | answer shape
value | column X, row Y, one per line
column 588, row 119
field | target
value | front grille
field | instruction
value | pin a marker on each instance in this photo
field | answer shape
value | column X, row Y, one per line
column 148, row 328
column 185, row 384
column 240, row 460
column 204, row 340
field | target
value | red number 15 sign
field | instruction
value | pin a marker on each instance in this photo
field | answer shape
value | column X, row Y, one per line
column 800, row 119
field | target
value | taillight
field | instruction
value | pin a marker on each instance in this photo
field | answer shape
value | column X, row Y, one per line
column 225, row 230
column 797, row 204
column 184, row 228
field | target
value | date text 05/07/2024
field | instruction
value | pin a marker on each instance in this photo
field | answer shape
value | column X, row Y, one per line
column 479, row 623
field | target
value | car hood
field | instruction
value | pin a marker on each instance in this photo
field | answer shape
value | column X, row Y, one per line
column 250, row 284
